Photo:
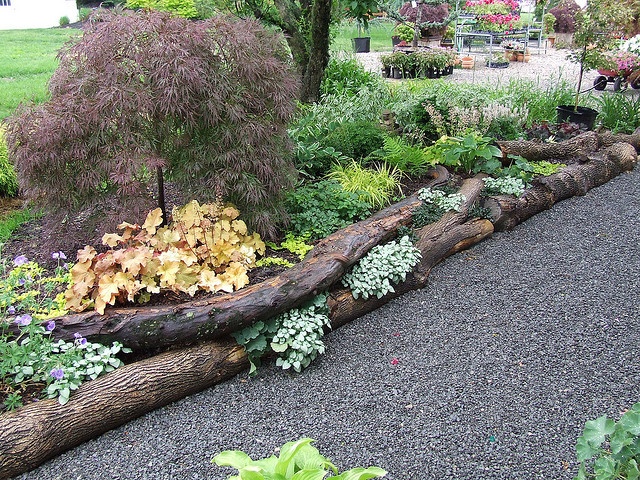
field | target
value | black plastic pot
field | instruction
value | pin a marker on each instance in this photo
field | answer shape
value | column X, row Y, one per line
column 362, row 44
column 581, row 115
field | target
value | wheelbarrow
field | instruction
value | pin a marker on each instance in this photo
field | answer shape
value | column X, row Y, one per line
column 620, row 79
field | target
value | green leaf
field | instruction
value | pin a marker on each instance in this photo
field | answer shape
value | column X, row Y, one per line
column 582, row 473
column 232, row 458
column 584, row 450
column 360, row 474
column 604, row 468
column 279, row 347
column 251, row 472
column 631, row 421
column 619, row 439
column 632, row 472
column 288, row 453
column 595, row 431
column 310, row 474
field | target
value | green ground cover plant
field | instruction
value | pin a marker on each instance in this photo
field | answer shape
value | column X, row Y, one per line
column 375, row 185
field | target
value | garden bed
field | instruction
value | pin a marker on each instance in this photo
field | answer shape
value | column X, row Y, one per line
column 132, row 390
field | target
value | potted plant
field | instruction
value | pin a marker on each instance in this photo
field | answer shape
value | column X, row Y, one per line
column 448, row 37
column 495, row 16
column 361, row 11
column 385, row 60
column 594, row 35
column 429, row 18
column 497, row 60
column 402, row 33
column 548, row 27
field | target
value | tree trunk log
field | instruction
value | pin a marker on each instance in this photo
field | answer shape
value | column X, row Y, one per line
column 145, row 328
column 575, row 179
column 572, row 150
column 42, row 430
column 606, row 139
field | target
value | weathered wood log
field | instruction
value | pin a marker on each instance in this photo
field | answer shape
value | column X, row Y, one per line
column 575, row 179
column 569, row 151
column 606, row 139
column 143, row 328
column 42, row 430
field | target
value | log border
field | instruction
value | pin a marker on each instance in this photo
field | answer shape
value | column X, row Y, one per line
column 39, row 431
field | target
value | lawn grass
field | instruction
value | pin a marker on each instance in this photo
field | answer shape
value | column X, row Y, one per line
column 27, row 61
column 380, row 31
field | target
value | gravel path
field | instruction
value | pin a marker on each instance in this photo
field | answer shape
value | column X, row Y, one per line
column 510, row 348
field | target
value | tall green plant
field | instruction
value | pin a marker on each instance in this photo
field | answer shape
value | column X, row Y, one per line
column 374, row 186
column 8, row 179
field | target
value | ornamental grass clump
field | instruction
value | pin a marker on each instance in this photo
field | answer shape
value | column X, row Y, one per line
column 383, row 266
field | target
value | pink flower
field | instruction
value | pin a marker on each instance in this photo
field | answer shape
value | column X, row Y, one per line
column 395, row 361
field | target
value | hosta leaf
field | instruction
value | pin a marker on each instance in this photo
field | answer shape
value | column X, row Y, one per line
column 309, row 474
column 360, row 474
column 232, row 458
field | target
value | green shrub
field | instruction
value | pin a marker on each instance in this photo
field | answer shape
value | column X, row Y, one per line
column 313, row 161
column 8, row 180
column 374, row 186
column 470, row 154
column 64, row 21
column 182, row 8
column 356, row 139
column 84, row 13
column 321, row 208
column 347, row 76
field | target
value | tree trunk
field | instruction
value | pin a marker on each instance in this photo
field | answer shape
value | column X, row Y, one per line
column 148, row 328
column 606, row 139
column 319, row 51
column 572, row 150
column 42, row 430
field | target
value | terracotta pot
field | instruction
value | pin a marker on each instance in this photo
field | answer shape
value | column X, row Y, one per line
column 467, row 62
column 520, row 57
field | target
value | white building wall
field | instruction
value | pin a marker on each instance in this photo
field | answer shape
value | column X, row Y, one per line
column 24, row 14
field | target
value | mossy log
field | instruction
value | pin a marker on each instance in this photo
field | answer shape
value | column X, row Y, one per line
column 575, row 179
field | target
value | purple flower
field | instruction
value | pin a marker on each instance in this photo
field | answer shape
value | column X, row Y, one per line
column 21, row 281
column 80, row 340
column 58, row 256
column 57, row 373
column 50, row 326
column 23, row 320
column 20, row 260
column 11, row 310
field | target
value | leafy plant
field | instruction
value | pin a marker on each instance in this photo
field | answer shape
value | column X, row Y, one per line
column 506, row 185
column 435, row 203
column 321, row 208
column 347, row 77
column 356, row 139
column 312, row 160
column 609, row 450
column 294, row 335
column 294, row 244
column 383, row 266
column 471, row 154
column 374, row 186
column 8, row 179
column 619, row 113
column 204, row 248
column 64, row 21
column 545, row 168
column 407, row 158
column 565, row 16
column 33, row 359
column 273, row 261
column 173, row 101
column 13, row 220
column 298, row 460
column 182, row 8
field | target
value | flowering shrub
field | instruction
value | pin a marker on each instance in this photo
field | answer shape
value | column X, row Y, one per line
column 494, row 15
column 621, row 61
column 565, row 13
